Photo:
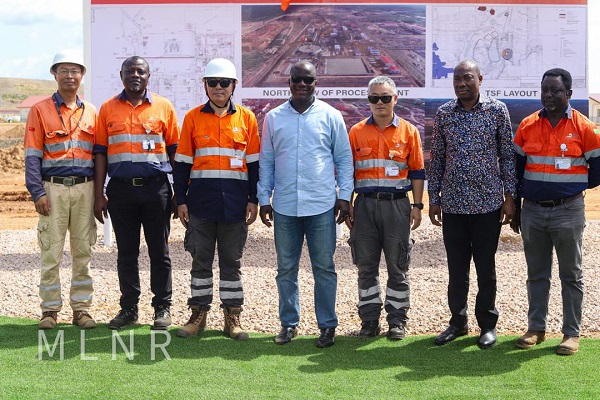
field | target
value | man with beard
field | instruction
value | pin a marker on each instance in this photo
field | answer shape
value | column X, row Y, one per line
column 558, row 157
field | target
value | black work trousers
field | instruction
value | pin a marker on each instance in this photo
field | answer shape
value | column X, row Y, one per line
column 230, row 238
column 473, row 236
column 132, row 207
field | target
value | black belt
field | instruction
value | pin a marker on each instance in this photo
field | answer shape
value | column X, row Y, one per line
column 67, row 180
column 141, row 181
column 384, row 195
column 557, row 202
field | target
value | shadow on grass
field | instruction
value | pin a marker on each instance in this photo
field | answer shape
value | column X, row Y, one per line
column 423, row 360
column 417, row 357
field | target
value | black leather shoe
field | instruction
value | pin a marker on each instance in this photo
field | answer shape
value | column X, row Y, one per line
column 487, row 339
column 369, row 329
column 123, row 318
column 451, row 333
column 396, row 332
column 286, row 334
column 327, row 338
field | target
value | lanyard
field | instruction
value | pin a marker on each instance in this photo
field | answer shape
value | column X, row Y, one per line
column 55, row 100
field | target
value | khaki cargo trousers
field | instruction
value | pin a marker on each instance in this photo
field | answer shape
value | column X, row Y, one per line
column 72, row 209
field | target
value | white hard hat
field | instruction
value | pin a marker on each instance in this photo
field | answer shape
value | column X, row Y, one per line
column 220, row 68
column 67, row 56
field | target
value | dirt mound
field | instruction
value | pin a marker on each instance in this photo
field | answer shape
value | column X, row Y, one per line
column 12, row 131
column 17, row 132
column 12, row 158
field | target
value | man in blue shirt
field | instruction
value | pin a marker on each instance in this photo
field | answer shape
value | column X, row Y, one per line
column 304, row 144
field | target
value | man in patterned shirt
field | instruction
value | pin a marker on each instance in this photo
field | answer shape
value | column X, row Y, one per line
column 472, row 179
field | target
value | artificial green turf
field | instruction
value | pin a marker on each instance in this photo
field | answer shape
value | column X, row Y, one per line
column 214, row 367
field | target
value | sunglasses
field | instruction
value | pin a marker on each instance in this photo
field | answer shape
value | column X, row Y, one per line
column 384, row 99
column 224, row 82
column 308, row 80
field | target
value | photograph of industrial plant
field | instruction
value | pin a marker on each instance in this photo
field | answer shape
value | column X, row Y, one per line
column 347, row 44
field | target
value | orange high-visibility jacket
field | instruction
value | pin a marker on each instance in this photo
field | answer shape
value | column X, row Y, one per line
column 216, row 165
column 58, row 145
column 398, row 147
column 124, row 132
column 542, row 146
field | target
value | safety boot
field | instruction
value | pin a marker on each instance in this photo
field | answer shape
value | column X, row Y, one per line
column 162, row 317
column 232, row 327
column 48, row 320
column 126, row 316
column 569, row 345
column 195, row 324
column 83, row 320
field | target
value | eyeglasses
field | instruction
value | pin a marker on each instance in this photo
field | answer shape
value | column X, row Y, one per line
column 308, row 80
column 224, row 82
column 65, row 72
column 384, row 99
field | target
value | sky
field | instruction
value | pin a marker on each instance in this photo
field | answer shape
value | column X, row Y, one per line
column 34, row 30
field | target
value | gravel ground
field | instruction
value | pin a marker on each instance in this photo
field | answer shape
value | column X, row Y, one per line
column 19, row 275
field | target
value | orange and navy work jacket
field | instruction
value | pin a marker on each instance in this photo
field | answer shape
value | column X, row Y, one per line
column 216, row 165
column 386, row 161
column 58, row 141
column 137, row 140
column 555, row 163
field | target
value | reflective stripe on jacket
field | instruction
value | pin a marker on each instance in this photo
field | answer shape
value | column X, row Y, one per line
column 556, row 158
column 216, row 164
column 383, row 160
column 137, row 140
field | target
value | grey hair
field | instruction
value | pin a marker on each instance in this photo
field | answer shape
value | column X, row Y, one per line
column 382, row 80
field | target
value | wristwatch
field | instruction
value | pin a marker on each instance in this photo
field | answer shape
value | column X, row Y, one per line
column 418, row 205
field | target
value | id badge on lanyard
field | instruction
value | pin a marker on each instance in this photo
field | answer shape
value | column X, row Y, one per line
column 236, row 162
column 562, row 163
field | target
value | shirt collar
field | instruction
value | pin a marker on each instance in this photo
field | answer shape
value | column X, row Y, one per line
column 482, row 99
column 395, row 120
column 207, row 108
column 568, row 112
column 59, row 100
column 147, row 96
column 313, row 104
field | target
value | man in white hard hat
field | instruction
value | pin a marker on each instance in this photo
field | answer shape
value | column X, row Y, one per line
column 215, row 176
column 59, row 174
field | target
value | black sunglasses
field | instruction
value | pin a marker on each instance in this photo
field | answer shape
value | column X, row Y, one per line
column 308, row 80
column 384, row 99
column 224, row 82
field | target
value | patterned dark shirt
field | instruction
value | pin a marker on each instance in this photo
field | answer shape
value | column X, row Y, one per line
column 472, row 157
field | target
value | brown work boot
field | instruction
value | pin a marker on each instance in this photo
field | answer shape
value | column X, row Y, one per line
column 195, row 324
column 83, row 320
column 530, row 338
column 568, row 346
column 232, row 327
column 48, row 320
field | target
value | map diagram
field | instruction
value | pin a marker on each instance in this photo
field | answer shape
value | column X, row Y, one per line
column 176, row 40
column 514, row 45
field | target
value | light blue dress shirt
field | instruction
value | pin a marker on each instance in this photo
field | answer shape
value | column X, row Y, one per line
column 299, row 157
